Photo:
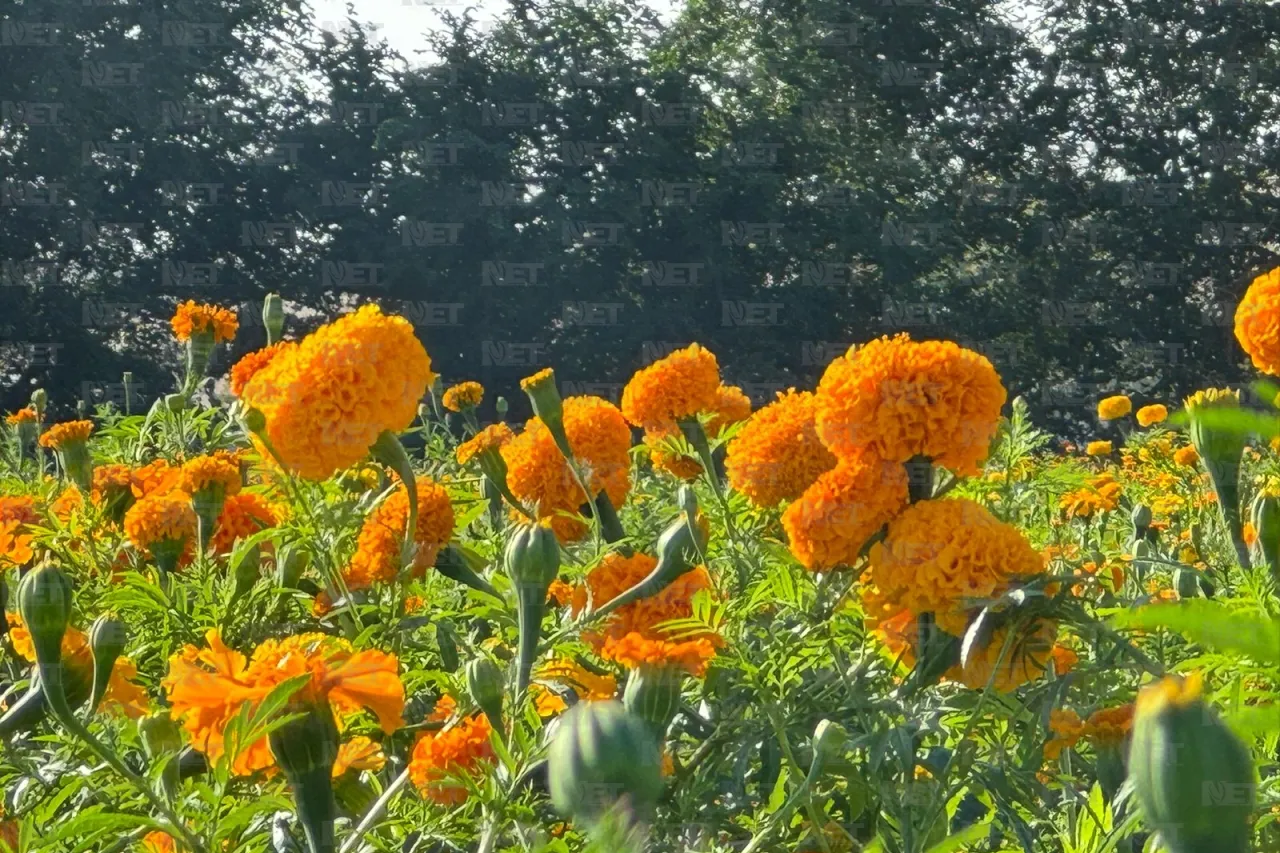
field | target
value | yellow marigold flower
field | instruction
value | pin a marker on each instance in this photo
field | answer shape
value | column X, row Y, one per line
column 66, row 503
column 1025, row 660
column 492, row 437
column 111, row 480
column 834, row 518
column 1213, row 397
column 463, row 748
column 539, row 475
column 251, row 363
column 192, row 318
column 1067, row 728
column 327, row 400
column 15, row 545
column 219, row 470
column 208, row 686
column 942, row 556
column 22, row 416
column 902, row 398
column 359, row 753
column 59, row 434
column 1152, row 414
column 1109, row 727
column 617, row 573
column 1258, row 322
column 165, row 519
column 680, row 385
column 464, row 395
column 1111, row 408
column 777, row 454
column 123, row 695
column 377, row 556
column 1186, row 456
column 1098, row 448
column 635, row 650
column 242, row 515
column 586, row 685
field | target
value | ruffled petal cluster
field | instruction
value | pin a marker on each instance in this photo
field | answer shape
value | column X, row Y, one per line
column 635, row 650
column 219, row 470
column 242, row 515
column 60, row 434
column 252, row 363
column 617, row 573
column 377, row 556
column 492, row 437
column 1258, row 322
column 777, row 454
column 462, row 748
column 680, row 385
column 192, row 318
column 160, row 518
column 834, row 518
column 463, row 396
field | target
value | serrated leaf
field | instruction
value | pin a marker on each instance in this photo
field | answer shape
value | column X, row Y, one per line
column 1211, row 624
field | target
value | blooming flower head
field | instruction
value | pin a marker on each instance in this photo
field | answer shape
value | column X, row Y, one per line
column 377, row 556
column 1108, row 727
column 831, row 522
column 1102, row 494
column 1152, row 414
column 1008, row 663
column 207, row 687
column 163, row 521
column 634, row 650
column 1258, row 322
column 20, row 508
column 359, row 753
column 680, row 385
column 1098, row 448
column 1111, row 408
column 156, row 477
column 463, row 396
column 588, row 686
column 251, row 363
column 943, row 556
column 777, row 454
column 492, row 437
column 25, row 415
column 901, row 398
column 1212, row 397
column 110, row 481
column 123, row 695
column 731, row 406
column 1186, row 456
column 327, row 400
column 539, row 475
column 157, row 841
column 463, row 748
column 242, row 515
column 15, row 545
column 617, row 573
column 219, row 471
column 62, row 434
column 192, row 318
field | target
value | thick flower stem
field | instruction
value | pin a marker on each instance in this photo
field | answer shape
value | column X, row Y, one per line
column 610, row 525
column 452, row 565
column 313, row 798
column 533, row 603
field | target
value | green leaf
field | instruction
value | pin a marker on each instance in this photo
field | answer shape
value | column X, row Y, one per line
column 969, row 835
column 1211, row 624
column 1254, row 721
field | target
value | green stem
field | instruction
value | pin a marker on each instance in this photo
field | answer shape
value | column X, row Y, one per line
column 532, row 605
column 376, row 811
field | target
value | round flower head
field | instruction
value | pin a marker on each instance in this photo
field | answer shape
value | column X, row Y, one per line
column 901, row 399
column 539, row 476
column 1152, row 414
column 193, row 319
column 1109, row 727
column 831, row 522
column 161, row 520
column 588, row 686
column 635, row 650
column 1111, row 408
column 678, row 386
column 730, row 407
column 464, row 395
column 1258, row 322
column 22, row 416
column 459, row 749
column 156, row 477
column 207, row 687
column 250, row 363
column 60, row 434
column 377, row 556
column 1186, row 456
column 219, row 470
column 326, row 401
column 20, row 508
column 1007, row 663
column 492, row 437
column 242, row 515
column 942, row 556
column 1098, row 448
column 777, row 454
column 616, row 574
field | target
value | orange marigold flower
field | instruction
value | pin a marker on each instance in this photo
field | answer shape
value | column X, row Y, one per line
column 462, row 748
column 123, row 695
column 834, row 518
column 1109, row 727
column 680, row 385
column 1067, row 728
column 777, row 454
column 20, row 508
column 158, row 842
column 617, row 573
column 586, row 685
column 560, row 593
column 15, row 545
column 1098, row 448
column 251, row 363
column 377, row 556
column 208, row 686
column 1186, row 456
column 328, row 399
column 942, row 556
column 1064, row 659
column 492, row 437
column 464, row 395
column 1111, row 408
column 192, row 318
column 664, row 455
column 59, row 434
column 154, row 478
column 242, row 515
column 359, row 753
column 1258, row 322
column 219, row 470
column 160, row 519
column 67, row 502
column 1152, row 414
column 903, row 398
column 539, row 475
column 1025, row 659
column 110, row 482
column 22, row 416
column 731, row 406
column 635, row 650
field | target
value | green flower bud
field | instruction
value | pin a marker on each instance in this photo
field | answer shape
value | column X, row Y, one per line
column 679, row 548
column 175, row 402
column 828, row 743
column 40, row 400
column 1221, row 447
column 254, row 420
column 160, row 734
column 603, row 757
column 1141, row 518
column 500, row 405
column 1193, row 777
column 306, row 749
column 273, row 317
column 107, row 639
column 652, row 694
column 1186, row 581
column 44, row 602
column 532, row 561
column 544, row 396
column 1266, row 521
column 486, row 684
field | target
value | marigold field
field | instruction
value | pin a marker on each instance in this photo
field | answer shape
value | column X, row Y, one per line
column 317, row 605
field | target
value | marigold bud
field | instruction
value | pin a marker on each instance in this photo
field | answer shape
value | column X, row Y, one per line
column 603, row 756
column 1193, row 777
column 486, row 684
column 1266, row 521
column 653, row 695
column 500, row 405
column 40, row 399
column 532, row 561
column 273, row 317
column 160, row 734
column 254, row 421
column 107, row 639
column 828, row 743
column 175, row 402
column 44, row 602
